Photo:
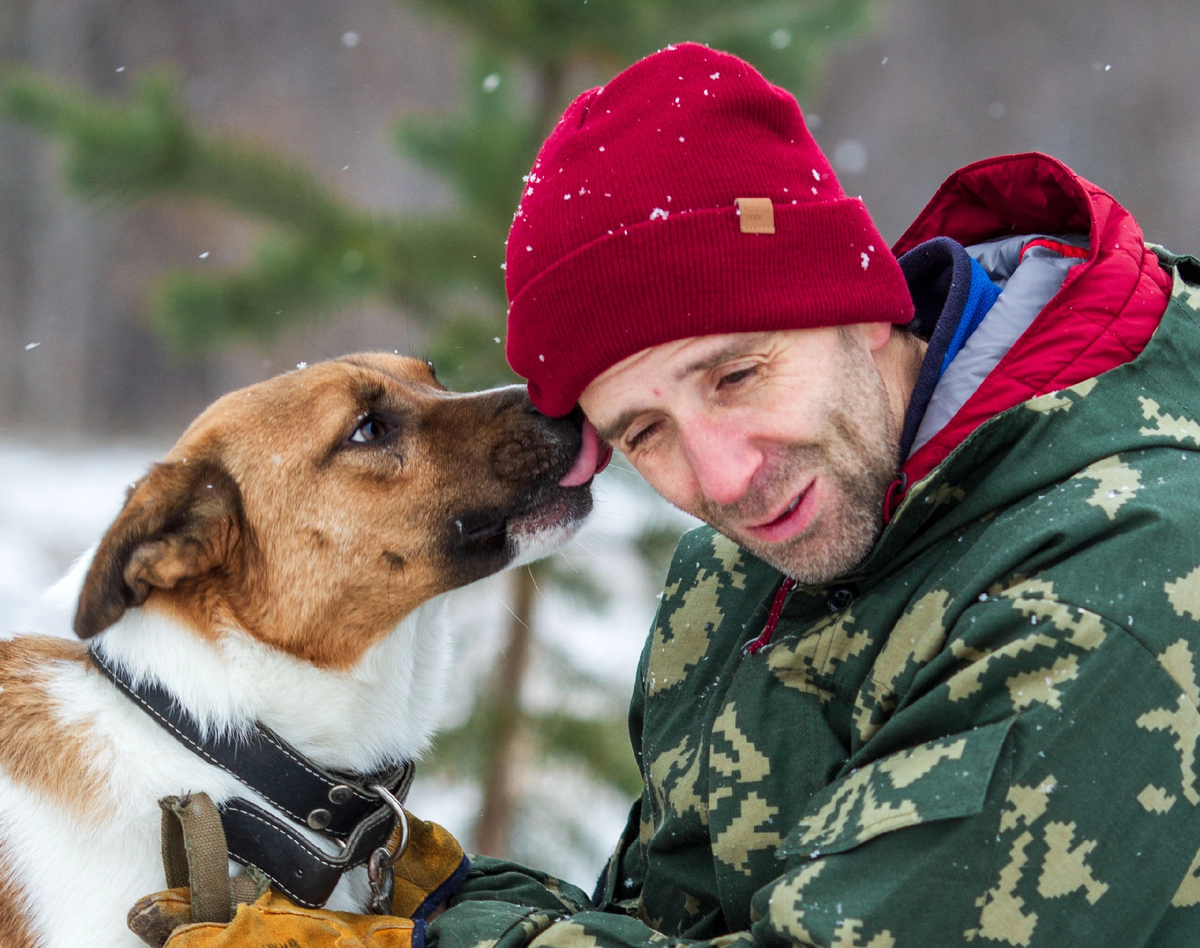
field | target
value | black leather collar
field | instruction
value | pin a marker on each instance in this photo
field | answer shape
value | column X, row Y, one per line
column 337, row 805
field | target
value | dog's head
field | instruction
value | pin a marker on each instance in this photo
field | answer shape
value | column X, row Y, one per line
column 317, row 509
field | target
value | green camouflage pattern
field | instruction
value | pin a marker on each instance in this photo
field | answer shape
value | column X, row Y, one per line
column 986, row 735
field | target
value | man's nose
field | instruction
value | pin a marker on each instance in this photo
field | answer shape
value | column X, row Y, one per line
column 723, row 459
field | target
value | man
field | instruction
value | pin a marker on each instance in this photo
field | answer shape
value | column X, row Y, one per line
column 930, row 676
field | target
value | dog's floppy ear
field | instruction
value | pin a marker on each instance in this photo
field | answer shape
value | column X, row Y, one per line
column 182, row 520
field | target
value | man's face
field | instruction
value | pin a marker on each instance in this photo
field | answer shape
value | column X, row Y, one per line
column 785, row 441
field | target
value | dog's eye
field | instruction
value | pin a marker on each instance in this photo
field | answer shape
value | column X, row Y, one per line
column 370, row 429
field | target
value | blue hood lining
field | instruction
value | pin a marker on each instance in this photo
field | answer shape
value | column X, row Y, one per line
column 972, row 304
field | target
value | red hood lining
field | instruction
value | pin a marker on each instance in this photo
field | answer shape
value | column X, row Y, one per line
column 1068, row 341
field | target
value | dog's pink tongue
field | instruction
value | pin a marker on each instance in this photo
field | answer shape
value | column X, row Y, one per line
column 593, row 458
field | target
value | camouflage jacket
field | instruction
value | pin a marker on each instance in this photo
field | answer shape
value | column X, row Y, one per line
column 987, row 733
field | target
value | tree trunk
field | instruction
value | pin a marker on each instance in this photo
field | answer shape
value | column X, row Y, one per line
column 499, row 800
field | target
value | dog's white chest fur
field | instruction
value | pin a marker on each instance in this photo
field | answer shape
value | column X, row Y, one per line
column 79, row 873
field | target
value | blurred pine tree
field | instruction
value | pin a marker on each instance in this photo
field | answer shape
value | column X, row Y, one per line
column 525, row 59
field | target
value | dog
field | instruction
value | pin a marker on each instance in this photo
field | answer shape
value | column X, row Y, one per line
column 279, row 572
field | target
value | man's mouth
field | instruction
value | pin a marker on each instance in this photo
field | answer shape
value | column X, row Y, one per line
column 792, row 520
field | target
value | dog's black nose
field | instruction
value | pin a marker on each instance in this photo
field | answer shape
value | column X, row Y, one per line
column 575, row 417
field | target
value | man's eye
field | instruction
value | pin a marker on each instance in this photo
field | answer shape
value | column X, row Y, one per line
column 639, row 437
column 369, row 429
column 734, row 377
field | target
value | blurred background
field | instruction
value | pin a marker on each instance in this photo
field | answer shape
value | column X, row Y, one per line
column 198, row 195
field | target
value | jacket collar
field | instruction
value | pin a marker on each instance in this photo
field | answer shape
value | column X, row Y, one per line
column 1105, row 313
column 1006, row 459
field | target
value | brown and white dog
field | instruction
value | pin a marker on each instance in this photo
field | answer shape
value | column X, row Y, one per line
column 281, row 565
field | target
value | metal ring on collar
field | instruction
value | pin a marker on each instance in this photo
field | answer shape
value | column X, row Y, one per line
column 402, row 819
column 381, row 861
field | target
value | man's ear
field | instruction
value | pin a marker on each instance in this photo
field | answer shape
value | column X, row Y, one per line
column 180, row 521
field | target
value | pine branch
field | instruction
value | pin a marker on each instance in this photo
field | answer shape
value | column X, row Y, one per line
column 778, row 36
column 469, row 353
column 293, row 278
column 581, row 585
column 327, row 252
column 148, row 147
column 602, row 746
column 486, row 147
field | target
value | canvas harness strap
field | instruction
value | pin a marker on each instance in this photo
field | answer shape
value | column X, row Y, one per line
column 195, row 855
column 353, row 810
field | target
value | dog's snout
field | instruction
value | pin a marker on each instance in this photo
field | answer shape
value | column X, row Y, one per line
column 524, row 447
column 535, row 447
column 523, row 455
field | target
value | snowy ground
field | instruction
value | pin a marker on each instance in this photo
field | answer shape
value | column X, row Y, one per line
column 56, row 501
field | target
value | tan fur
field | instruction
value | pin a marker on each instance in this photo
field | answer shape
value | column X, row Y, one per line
column 34, row 748
column 14, row 930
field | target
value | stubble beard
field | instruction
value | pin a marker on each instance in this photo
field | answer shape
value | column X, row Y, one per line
column 858, row 458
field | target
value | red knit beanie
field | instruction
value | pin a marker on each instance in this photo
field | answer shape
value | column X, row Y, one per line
column 684, row 198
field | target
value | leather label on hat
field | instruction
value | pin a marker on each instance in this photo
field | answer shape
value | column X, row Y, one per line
column 756, row 215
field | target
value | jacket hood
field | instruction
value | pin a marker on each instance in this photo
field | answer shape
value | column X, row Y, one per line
column 1105, row 313
column 1087, row 435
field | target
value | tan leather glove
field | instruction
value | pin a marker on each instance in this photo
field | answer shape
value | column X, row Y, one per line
column 430, row 871
column 272, row 920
